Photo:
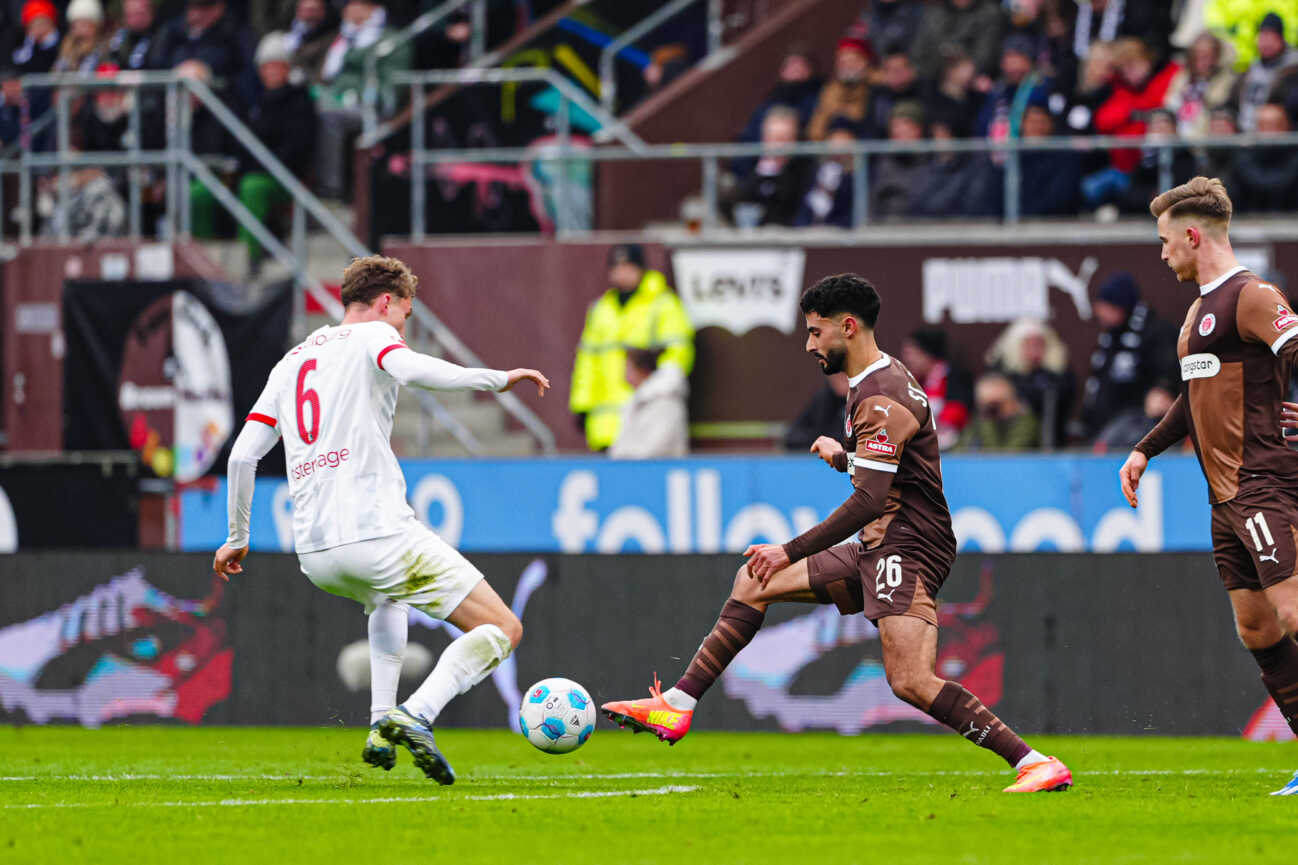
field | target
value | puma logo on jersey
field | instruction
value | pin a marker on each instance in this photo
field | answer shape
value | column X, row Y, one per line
column 885, row 596
column 1270, row 557
column 880, row 444
column 886, row 409
column 1199, row 366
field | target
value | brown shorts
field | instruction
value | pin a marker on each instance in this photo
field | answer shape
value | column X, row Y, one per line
column 889, row 580
column 1253, row 539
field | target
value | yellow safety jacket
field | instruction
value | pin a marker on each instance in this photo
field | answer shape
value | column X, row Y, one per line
column 653, row 317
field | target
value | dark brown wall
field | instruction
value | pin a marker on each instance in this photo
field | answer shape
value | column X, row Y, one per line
column 525, row 303
column 689, row 110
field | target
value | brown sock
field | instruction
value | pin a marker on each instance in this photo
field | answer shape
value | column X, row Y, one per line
column 1279, row 664
column 966, row 714
column 733, row 630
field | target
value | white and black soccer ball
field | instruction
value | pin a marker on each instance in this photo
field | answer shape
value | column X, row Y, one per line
column 557, row 715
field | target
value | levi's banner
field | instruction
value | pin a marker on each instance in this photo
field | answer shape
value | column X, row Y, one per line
column 1045, row 503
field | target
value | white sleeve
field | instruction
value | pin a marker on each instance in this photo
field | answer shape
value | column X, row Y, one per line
column 254, row 442
column 409, row 367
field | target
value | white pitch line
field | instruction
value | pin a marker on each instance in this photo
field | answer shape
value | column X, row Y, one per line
column 380, row 800
column 616, row 776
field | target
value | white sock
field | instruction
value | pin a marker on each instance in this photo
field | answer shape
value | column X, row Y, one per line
column 465, row 663
column 678, row 699
column 1033, row 756
column 389, row 624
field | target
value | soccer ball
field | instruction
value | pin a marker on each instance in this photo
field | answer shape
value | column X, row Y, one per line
column 557, row 715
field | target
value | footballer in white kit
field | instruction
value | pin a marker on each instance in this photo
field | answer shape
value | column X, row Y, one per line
column 331, row 400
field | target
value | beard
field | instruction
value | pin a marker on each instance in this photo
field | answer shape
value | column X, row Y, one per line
column 832, row 360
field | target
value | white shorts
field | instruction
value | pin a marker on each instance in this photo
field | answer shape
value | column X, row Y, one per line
column 415, row 567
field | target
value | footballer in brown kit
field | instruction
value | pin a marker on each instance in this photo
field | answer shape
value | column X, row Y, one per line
column 891, row 572
column 1236, row 350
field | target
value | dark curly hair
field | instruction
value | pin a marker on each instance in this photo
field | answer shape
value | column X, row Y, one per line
column 844, row 293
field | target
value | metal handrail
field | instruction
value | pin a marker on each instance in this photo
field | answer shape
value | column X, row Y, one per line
column 526, row 74
column 175, row 156
column 607, row 80
column 416, row 28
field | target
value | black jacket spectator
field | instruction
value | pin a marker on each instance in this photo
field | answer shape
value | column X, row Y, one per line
column 1136, row 351
column 953, row 185
column 11, row 107
column 1106, row 21
column 1266, row 178
column 131, row 45
column 976, row 26
column 828, row 201
column 798, row 87
column 822, row 416
column 890, row 23
column 1049, row 180
column 278, row 121
column 224, row 46
column 899, row 85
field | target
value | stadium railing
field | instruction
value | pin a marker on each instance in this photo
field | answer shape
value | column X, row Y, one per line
column 181, row 163
column 607, row 78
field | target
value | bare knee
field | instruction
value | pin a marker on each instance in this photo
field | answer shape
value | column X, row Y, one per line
column 745, row 588
column 1258, row 632
column 910, row 687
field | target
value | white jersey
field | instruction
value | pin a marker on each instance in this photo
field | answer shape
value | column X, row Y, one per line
column 332, row 401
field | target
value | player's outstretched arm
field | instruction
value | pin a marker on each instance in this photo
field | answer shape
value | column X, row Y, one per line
column 532, row 375
column 255, row 440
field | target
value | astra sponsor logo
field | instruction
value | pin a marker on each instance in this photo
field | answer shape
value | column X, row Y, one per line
column 330, row 460
column 880, row 444
column 1207, row 324
column 1285, row 321
column 1199, row 366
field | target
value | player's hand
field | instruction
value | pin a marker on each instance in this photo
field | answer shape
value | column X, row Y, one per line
column 226, row 562
column 517, row 375
column 1288, row 419
column 1130, row 474
column 827, row 448
column 764, row 561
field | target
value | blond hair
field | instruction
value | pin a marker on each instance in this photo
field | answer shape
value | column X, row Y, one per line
column 367, row 278
column 1203, row 197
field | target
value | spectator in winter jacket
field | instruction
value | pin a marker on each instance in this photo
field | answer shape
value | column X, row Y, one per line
column 312, row 31
column 1147, row 177
column 1049, row 180
column 895, row 178
column 829, row 199
column 1035, row 359
column 1002, row 110
column 952, row 95
column 1128, row 427
column 210, row 34
column 129, row 46
column 976, row 26
column 898, row 84
column 655, row 420
column 1236, row 22
column 1139, row 87
column 847, row 93
column 1203, row 84
column 822, row 416
column 83, row 47
column 798, row 87
column 888, row 23
column 1100, row 22
column 955, row 184
column 1001, row 422
column 947, row 387
column 1273, row 56
column 1266, row 178
column 39, row 48
column 1135, row 350
column 12, row 105
column 774, row 190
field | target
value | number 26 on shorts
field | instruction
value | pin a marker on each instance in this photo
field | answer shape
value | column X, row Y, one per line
column 887, row 577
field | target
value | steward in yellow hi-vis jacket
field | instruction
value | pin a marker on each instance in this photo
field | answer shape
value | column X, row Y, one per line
column 638, row 311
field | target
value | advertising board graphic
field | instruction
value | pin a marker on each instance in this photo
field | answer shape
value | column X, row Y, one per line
column 709, row 505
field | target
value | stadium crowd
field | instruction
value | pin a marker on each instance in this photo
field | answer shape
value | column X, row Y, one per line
column 999, row 69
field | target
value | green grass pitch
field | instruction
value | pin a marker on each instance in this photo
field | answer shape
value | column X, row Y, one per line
column 189, row 796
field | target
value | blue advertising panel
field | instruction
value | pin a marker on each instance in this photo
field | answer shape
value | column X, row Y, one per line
column 722, row 504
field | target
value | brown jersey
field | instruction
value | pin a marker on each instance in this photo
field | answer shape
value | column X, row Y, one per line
column 892, row 456
column 1236, row 350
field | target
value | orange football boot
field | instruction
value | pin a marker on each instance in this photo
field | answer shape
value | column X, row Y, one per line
column 654, row 715
column 1044, row 776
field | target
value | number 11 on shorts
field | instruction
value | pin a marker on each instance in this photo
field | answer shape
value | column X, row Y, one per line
column 1257, row 523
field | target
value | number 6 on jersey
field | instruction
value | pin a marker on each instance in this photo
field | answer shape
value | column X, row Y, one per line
column 307, row 396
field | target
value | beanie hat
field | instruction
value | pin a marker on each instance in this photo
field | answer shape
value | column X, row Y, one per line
column 273, row 48
column 34, row 9
column 85, row 10
column 1120, row 289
